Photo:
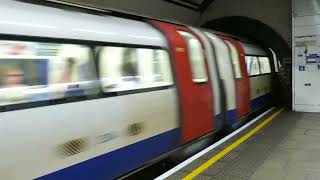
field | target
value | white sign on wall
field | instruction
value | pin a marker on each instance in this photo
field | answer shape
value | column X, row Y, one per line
column 306, row 57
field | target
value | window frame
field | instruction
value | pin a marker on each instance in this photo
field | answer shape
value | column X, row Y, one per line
column 259, row 65
column 138, row 90
column 91, row 45
column 197, row 80
column 232, row 60
column 269, row 65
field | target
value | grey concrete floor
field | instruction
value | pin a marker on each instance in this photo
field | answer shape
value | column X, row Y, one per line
column 288, row 148
column 297, row 156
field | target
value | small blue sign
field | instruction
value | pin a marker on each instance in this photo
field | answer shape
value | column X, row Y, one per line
column 302, row 68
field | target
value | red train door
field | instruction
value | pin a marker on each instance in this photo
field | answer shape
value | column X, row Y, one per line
column 242, row 81
column 193, row 80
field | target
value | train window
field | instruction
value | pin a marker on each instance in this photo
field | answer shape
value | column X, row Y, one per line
column 235, row 60
column 123, row 69
column 264, row 65
column 252, row 65
column 196, row 56
column 32, row 71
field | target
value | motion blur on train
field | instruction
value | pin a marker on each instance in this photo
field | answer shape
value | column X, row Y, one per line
column 85, row 96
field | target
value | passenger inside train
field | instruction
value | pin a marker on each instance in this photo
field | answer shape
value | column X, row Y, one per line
column 12, row 88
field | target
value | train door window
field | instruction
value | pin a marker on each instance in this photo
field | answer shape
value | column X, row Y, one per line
column 33, row 71
column 252, row 65
column 123, row 69
column 196, row 56
column 235, row 60
column 264, row 65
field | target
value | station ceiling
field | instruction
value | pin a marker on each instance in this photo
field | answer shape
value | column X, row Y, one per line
column 196, row 5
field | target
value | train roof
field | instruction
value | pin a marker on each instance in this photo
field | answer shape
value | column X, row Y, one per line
column 19, row 18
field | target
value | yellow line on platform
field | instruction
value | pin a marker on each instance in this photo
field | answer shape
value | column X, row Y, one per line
column 231, row 147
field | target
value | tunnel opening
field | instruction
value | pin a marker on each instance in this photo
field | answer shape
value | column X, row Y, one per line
column 265, row 36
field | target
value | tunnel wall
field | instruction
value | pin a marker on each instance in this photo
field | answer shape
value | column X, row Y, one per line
column 254, row 29
column 274, row 13
column 158, row 9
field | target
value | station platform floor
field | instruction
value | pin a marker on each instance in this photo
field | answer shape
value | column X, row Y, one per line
column 279, row 145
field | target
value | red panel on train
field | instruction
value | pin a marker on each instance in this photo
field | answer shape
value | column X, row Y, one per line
column 195, row 99
column 242, row 85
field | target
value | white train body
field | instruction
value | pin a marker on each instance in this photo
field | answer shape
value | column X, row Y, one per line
column 100, row 96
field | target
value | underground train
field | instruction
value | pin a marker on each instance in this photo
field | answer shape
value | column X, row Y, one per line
column 85, row 96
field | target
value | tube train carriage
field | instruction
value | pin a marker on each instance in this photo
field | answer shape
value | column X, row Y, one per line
column 84, row 96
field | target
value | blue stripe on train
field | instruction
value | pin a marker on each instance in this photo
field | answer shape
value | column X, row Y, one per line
column 260, row 102
column 256, row 104
column 120, row 161
column 218, row 121
column 232, row 116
